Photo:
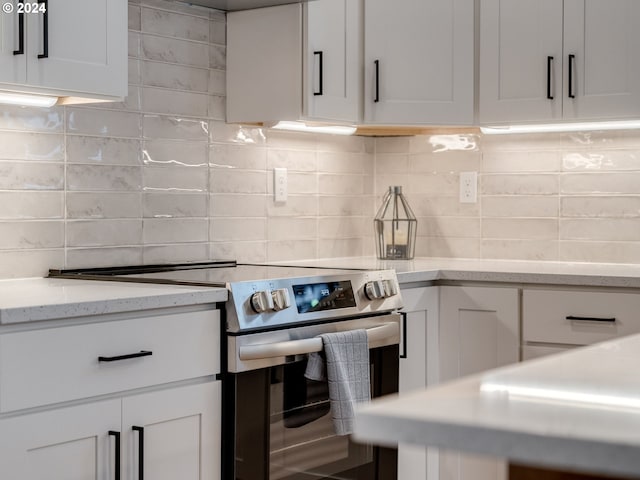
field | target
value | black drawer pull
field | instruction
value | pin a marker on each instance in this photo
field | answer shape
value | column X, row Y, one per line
column 140, row 431
column 113, row 433
column 572, row 59
column 549, row 68
column 20, row 50
column 320, row 73
column 376, row 98
column 141, row 353
column 403, row 353
column 592, row 319
column 45, row 30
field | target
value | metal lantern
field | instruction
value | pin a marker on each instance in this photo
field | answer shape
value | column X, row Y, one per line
column 395, row 227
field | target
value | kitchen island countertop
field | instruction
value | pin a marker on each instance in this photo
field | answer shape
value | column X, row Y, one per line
column 502, row 271
column 552, row 412
column 34, row 299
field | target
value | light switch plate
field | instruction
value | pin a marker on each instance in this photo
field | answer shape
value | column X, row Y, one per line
column 280, row 189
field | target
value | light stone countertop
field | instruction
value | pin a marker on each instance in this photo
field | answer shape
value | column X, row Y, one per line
column 510, row 271
column 578, row 410
column 33, row 299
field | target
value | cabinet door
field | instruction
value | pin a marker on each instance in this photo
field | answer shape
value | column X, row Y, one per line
column 12, row 67
column 86, row 47
column 520, row 61
column 419, row 59
column 332, row 60
column 418, row 369
column 181, row 433
column 63, row 444
column 604, row 37
column 478, row 331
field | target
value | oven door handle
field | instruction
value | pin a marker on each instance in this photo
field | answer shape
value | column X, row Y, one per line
column 309, row 345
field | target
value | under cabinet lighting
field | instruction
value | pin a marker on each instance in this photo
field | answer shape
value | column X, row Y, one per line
column 27, row 100
column 303, row 127
column 561, row 127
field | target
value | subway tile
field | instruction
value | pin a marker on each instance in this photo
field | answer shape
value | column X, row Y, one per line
column 520, row 228
column 245, row 157
column 134, row 45
column 520, row 206
column 237, row 229
column 175, row 25
column 449, row 163
column 175, row 230
column 392, row 163
column 338, row 205
column 293, row 160
column 508, row 184
column 31, row 234
column 29, row 263
column 217, row 82
column 31, row 146
column 605, row 206
column 104, row 177
column 218, row 57
column 232, row 180
column 524, row 142
column 521, row 162
column 436, row 185
column 134, row 18
column 345, row 163
column 88, row 205
column 602, row 252
column 386, row 180
column 177, row 7
column 614, row 229
column 296, row 206
column 248, row 252
column 170, row 50
column 341, row 144
column 104, row 233
column 291, row 250
column 291, row 228
column 454, row 142
column 177, row 77
column 238, row 205
column 171, row 152
column 31, row 119
column 297, row 183
column 103, row 150
column 131, row 102
column 291, row 140
column 392, row 145
column 344, row 227
column 592, row 183
column 340, row 184
column 176, row 179
column 238, row 134
column 218, row 31
column 103, row 257
column 520, row 249
column 340, row 247
column 217, row 107
column 448, row 226
column 107, row 123
column 172, row 102
column 176, row 253
column 424, row 206
column 601, row 160
column 134, row 72
column 31, row 176
column 31, row 205
column 174, row 128
column 167, row 205
column 447, row 247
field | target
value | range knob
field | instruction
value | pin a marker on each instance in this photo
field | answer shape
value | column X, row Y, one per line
column 281, row 299
column 378, row 289
column 262, row 301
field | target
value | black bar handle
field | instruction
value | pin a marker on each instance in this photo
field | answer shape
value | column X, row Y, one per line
column 549, row 68
column 45, row 30
column 592, row 319
column 571, row 60
column 140, row 431
column 113, row 433
column 376, row 99
column 320, row 73
column 20, row 50
column 141, row 353
column 403, row 353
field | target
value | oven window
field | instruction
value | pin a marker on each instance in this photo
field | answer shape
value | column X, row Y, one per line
column 284, row 429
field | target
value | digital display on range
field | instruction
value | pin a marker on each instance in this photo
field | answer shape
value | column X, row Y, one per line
column 317, row 297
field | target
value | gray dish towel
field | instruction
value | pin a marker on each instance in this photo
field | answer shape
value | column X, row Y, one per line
column 347, row 371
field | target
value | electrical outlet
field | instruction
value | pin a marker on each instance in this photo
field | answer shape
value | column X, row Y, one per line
column 280, row 188
column 468, row 187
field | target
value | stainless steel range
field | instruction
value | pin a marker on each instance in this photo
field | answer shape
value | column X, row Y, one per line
column 276, row 422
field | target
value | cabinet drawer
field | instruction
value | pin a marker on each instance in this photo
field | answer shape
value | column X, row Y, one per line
column 578, row 318
column 59, row 364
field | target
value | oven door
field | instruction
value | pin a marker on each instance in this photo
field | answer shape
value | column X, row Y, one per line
column 282, row 428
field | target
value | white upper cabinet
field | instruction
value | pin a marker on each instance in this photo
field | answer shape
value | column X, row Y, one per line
column 77, row 48
column 550, row 60
column 295, row 62
column 419, row 62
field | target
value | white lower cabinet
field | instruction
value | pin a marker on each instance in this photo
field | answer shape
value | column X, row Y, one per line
column 478, row 331
column 180, row 429
column 418, row 368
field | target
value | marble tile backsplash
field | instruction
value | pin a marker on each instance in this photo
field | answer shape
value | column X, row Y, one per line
column 567, row 197
column 160, row 177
